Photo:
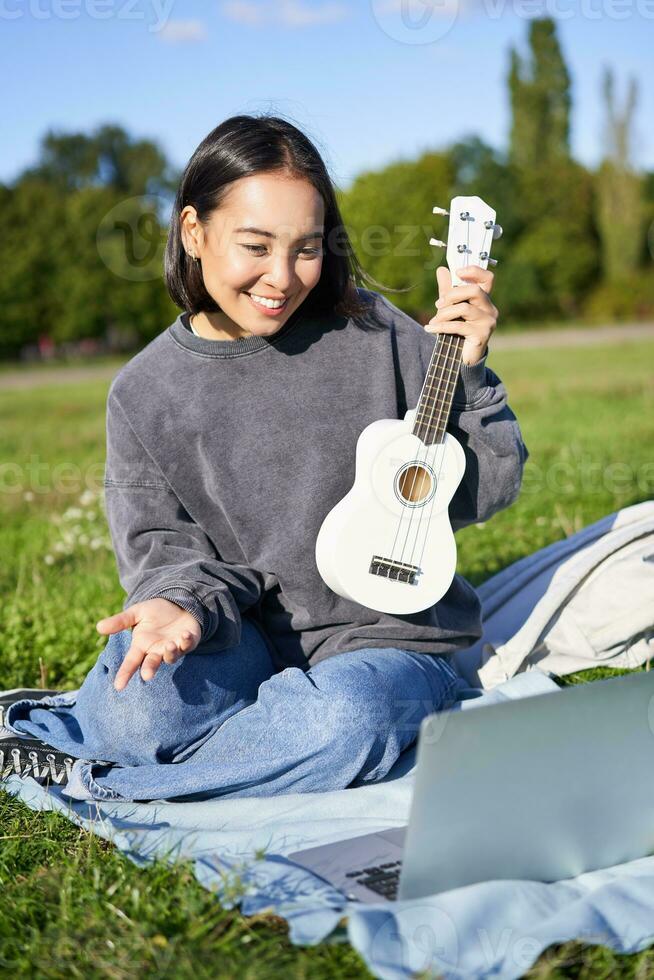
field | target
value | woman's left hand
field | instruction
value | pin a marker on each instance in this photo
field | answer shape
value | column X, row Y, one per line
column 466, row 310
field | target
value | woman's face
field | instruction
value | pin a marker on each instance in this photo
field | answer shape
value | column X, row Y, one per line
column 264, row 242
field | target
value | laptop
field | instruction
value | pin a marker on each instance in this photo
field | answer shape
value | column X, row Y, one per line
column 541, row 788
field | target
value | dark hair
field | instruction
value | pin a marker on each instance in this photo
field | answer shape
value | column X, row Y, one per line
column 239, row 147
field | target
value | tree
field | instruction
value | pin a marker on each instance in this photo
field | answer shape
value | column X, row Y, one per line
column 76, row 231
column 619, row 188
column 108, row 157
column 482, row 171
column 32, row 237
column 539, row 90
column 388, row 214
column 554, row 257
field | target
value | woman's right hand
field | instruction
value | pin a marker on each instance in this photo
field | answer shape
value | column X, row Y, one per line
column 161, row 632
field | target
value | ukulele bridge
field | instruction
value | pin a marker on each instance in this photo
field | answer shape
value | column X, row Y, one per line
column 397, row 571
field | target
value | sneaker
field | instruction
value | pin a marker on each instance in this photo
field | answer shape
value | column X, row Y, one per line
column 7, row 698
column 26, row 756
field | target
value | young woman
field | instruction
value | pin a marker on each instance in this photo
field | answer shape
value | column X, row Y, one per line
column 233, row 668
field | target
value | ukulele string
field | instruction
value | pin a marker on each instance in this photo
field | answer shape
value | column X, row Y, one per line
column 453, row 341
column 444, row 351
column 438, row 366
column 444, row 364
column 456, row 342
column 453, row 349
column 450, row 348
column 485, row 247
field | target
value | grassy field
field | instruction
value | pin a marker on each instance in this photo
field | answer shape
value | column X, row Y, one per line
column 71, row 905
column 99, row 360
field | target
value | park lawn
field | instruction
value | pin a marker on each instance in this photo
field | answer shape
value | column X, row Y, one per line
column 72, row 905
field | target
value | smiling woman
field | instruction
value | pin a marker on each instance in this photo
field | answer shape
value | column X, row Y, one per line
column 257, row 277
column 229, row 438
column 254, row 212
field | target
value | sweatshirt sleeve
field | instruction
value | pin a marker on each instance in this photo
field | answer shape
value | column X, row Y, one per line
column 489, row 433
column 160, row 551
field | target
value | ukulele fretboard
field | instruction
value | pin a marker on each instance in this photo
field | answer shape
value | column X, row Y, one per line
column 437, row 393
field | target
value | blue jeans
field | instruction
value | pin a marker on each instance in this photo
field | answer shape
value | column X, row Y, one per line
column 227, row 724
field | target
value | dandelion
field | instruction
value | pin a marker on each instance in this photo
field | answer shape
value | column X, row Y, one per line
column 49, row 560
column 87, row 532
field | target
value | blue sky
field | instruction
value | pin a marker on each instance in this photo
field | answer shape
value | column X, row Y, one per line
column 371, row 81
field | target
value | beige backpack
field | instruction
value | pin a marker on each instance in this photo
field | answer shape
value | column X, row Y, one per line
column 583, row 602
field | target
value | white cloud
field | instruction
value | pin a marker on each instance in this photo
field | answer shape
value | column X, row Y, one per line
column 418, row 9
column 179, row 31
column 288, row 13
column 295, row 13
column 245, row 12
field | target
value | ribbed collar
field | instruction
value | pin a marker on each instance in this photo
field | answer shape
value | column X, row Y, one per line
column 181, row 332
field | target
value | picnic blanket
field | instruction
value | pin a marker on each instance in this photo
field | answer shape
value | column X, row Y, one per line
column 495, row 928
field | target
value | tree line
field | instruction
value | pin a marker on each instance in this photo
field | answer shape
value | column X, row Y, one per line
column 82, row 232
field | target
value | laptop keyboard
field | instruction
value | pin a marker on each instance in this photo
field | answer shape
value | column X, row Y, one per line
column 380, row 878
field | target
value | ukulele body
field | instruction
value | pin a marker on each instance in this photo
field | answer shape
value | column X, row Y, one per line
column 388, row 543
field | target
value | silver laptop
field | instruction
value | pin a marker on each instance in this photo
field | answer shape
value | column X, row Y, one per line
column 541, row 788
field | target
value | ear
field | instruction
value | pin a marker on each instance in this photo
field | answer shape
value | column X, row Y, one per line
column 444, row 280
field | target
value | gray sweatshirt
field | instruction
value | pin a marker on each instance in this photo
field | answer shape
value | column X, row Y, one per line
column 224, row 457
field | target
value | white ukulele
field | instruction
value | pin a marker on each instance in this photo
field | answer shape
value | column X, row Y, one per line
column 388, row 544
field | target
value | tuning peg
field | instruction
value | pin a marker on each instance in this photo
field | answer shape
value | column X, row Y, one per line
column 439, row 211
column 492, row 261
column 437, row 243
column 497, row 229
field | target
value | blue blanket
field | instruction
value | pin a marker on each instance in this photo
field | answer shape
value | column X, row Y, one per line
column 238, row 846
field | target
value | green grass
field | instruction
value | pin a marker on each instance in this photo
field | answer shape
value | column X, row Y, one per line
column 77, row 361
column 71, row 904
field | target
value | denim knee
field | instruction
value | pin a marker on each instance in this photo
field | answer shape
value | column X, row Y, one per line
column 383, row 691
column 166, row 718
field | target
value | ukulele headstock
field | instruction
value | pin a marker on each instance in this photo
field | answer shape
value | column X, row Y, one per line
column 471, row 231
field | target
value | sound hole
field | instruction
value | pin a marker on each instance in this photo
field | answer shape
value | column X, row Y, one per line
column 414, row 484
